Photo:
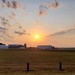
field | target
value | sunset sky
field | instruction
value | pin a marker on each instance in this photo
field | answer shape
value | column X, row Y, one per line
column 52, row 21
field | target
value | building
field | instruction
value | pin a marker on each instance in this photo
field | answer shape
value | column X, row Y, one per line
column 15, row 46
column 3, row 47
column 45, row 47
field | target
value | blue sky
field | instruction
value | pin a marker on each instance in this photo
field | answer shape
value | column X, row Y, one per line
column 63, row 16
column 25, row 21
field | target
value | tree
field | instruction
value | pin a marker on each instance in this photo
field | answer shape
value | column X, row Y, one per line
column 25, row 45
column 2, row 44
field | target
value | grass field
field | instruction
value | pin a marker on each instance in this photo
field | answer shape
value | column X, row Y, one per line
column 42, row 62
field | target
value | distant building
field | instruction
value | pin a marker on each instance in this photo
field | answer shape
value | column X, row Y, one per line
column 15, row 46
column 45, row 47
column 3, row 46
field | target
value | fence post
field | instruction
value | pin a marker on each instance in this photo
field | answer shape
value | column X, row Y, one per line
column 27, row 67
column 60, row 66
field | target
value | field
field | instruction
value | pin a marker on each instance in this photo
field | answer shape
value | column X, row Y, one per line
column 42, row 62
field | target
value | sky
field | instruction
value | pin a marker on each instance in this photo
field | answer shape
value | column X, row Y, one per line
column 52, row 20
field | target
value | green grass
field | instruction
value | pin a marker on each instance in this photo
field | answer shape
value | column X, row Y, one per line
column 14, row 61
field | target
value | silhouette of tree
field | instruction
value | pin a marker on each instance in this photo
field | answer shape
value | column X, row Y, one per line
column 2, row 44
column 25, row 45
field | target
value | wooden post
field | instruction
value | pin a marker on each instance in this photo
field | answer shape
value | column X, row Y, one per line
column 27, row 67
column 60, row 66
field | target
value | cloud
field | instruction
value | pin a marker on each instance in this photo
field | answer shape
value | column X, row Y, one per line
column 4, row 1
column 17, row 28
column 20, row 30
column 9, row 25
column 13, row 14
column 20, row 27
column 4, row 33
column 2, row 37
column 42, row 13
column 55, row 4
column 43, row 8
column 4, row 21
column 2, row 28
column 20, row 33
column 15, row 4
column 2, row 18
column 63, row 32
column 8, row 35
column 9, row 5
column 5, row 36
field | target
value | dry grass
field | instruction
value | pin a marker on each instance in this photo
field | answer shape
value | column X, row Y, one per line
column 14, row 61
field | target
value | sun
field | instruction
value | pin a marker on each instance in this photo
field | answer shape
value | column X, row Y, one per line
column 37, row 36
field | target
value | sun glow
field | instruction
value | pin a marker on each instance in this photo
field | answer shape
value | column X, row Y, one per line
column 37, row 36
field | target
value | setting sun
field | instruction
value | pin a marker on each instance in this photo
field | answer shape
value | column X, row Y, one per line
column 37, row 36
